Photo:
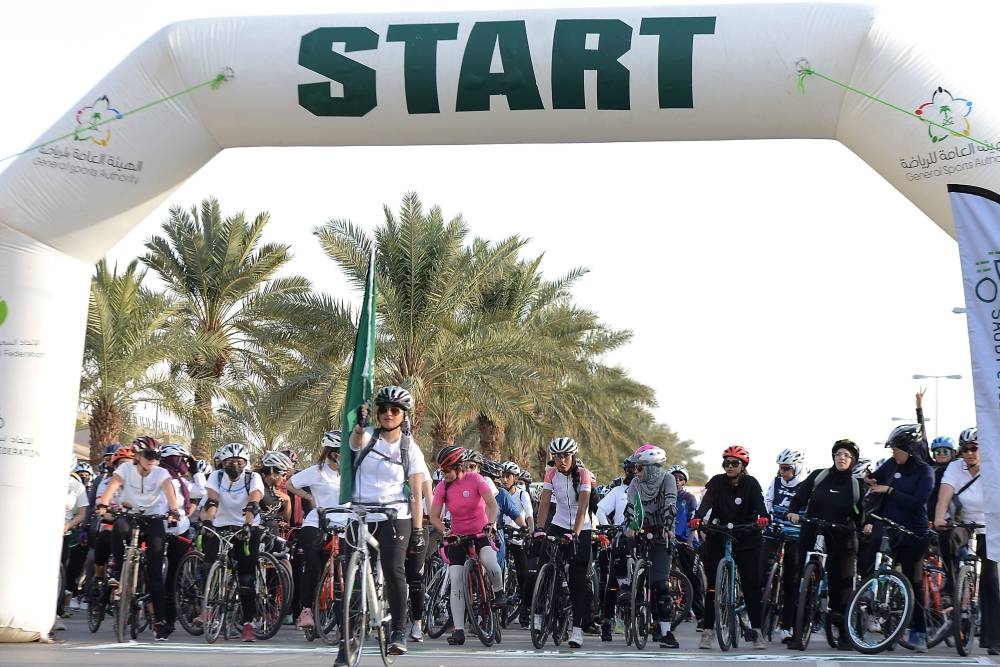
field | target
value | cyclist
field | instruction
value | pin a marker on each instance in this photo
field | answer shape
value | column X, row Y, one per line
column 569, row 483
column 146, row 486
column 687, row 540
column 612, row 562
column 175, row 459
column 386, row 460
column 319, row 485
column 961, row 480
column 511, row 473
column 943, row 452
column 274, row 466
column 791, row 473
column 74, row 552
column 904, row 482
column 833, row 494
column 234, row 494
column 473, row 508
column 102, row 541
column 652, row 505
column 733, row 497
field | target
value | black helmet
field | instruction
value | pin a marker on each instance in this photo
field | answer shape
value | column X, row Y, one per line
column 628, row 465
column 908, row 437
column 525, row 476
column 969, row 435
column 490, row 468
column 849, row 445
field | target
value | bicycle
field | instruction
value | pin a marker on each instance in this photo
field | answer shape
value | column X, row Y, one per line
column 937, row 605
column 327, row 601
column 189, row 589
column 731, row 618
column 882, row 605
column 642, row 591
column 966, row 614
column 437, row 612
column 273, row 543
column 479, row 605
column 681, row 592
column 511, row 584
column 773, row 601
column 551, row 607
column 813, row 605
column 132, row 599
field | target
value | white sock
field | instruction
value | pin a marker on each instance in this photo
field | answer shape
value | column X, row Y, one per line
column 664, row 627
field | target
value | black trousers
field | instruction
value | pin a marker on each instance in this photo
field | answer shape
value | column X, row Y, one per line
column 154, row 534
column 393, row 540
column 414, row 567
column 747, row 564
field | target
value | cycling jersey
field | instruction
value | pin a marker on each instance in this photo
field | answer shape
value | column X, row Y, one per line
column 143, row 493
column 464, row 498
column 233, row 497
column 380, row 477
column 324, row 484
column 565, row 496
column 76, row 497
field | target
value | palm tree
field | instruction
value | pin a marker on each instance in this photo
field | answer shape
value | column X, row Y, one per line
column 127, row 337
column 232, row 307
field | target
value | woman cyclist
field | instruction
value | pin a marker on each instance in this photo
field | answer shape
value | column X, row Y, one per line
column 386, row 460
column 474, row 511
column 686, row 540
column 733, row 497
column 791, row 473
column 274, row 466
column 175, row 459
column 234, row 494
column 834, row 495
column 510, row 474
column 146, row 487
column 569, row 483
column 652, row 505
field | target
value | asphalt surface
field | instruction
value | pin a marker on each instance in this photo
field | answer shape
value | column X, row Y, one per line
column 77, row 647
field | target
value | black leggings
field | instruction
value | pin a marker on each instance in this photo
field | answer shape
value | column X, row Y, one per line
column 314, row 556
column 748, row 565
column 414, row 567
column 393, row 539
column 73, row 559
column 659, row 572
column 154, row 534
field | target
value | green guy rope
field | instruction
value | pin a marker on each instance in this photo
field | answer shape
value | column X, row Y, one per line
column 214, row 83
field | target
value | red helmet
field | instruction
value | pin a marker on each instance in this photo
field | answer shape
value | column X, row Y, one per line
column 122, row 453
column 449, row 457
column 737, row 452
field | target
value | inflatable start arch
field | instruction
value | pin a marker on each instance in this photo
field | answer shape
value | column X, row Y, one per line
column 900, row 99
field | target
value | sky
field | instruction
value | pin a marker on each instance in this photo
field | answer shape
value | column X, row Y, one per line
column 781, row 293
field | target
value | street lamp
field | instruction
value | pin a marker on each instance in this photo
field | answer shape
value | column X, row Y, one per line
column 912, row 420
column 936, row 378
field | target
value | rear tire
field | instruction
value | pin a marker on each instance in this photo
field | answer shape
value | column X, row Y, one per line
column 965, row 612
column 771, row 610
column 682, row 594
column 189, row 591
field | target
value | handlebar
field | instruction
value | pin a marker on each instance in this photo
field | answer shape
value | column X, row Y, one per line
column 728, row 528
column 823, row 523
column 892, row 525
column 968, row 525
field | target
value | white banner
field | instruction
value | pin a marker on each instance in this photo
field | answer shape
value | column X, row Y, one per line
column 977, row 221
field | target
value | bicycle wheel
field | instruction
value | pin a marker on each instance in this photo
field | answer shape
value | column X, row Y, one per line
column 478, row 602
column 725, row 604
column 542, row 603
column 270, row 584
column 437, row 615
column 879, row 612
column 966, row 612
column 326, row 604
column 189, row 591
column 126, row 588
column 355, row 623
column 214, row 604
column 807, row 606
column 640, row 608
column 141, row 607
column 97, row 604
column 936, row 613
column 288, row 585
column 770, row 611
column 681, row 593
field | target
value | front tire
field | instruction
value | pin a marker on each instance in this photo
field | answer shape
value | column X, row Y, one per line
column 189, row 591
column 477, row 603
column 725, row 605
column 542, row 602
column 771, row 609
column 640, row 608
column 355, row 623
column 966, row 611
column 879, row 612
column 437, row 616
column 808, row 602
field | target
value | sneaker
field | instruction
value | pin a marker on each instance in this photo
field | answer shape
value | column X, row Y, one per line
column 58, row 625
column 159, row 632
column 706, row 640
column 669, row 641
column 84, row 605
column 499, row 600
column 576, row 638
column 397, row 643
column 759, row 641
column 918, row 640
column 457, row 638
column 247, row 634
column 341, row 659
column 417, row 632
column 306, row 618
column 74, row 603
column 786, row 635
column 606, row 631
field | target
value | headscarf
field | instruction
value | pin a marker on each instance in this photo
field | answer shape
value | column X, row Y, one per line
column 177, row 467
column 649, row 485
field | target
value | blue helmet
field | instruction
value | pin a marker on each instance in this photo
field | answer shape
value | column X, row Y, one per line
column 111, row 448
column 944, row 442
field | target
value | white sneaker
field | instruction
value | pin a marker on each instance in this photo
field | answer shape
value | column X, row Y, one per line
column 84, row 605
column 74, row 603
column 417, row 632
column 537, row 623
column 706, row 639
column 576, row 638
column 58, row 625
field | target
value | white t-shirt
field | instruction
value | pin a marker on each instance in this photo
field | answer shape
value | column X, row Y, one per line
column 183, row 523
column 143, row 493
column 523, row 499
column 380, row 477
column 197, row 486
column 564, row 496
column 76, row 497
column 615, row 501
column 324, row 485
column 973, row 499
column 233, row 496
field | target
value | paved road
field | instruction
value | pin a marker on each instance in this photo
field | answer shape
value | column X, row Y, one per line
column 76, row 647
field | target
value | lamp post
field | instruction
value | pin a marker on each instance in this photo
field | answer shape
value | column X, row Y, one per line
column 936, row 378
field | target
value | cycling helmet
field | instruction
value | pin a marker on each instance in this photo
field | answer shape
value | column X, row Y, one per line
column 472, row 456
column 628, row 465
column 944, row 442
column 111, row 448
column 277, row 460
column 490, row 468
column 969, row 435
column 233, row 450
column 393, row 395
column 122, row 453
column 862, row 467
column 908, row 438
column 292, row 455
column 510, row 468
column 144, row 442
column 563, row 445
column 737, row 452
column 525, row 477
column 203, row 466
column 790, row 457
column 451, row 456
column 677, row 467
column 330, row 440
column 83, row 467
column 174, row 450
column 654, row 456
column 849, row 445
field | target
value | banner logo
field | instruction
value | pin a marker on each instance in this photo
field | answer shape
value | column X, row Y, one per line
column 89, row 119
column 948, row 111
column 3, row 311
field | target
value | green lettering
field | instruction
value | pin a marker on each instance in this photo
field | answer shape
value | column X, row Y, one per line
column 316, row 53
column 675, row 56
column 420, row 61
column 476, row 83
column 571, row 58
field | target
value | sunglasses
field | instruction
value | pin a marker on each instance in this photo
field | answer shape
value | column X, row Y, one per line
column 969, row 448
column 731, row 463
column 391, row 409
column 150, row 455
column 566, row 456
column 783, row 468
column 942, row 450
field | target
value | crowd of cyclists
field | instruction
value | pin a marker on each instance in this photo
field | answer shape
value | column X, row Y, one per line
column 925, row 498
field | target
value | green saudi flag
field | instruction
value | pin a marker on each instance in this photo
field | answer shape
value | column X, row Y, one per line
column 360, row 383
column 638, row 513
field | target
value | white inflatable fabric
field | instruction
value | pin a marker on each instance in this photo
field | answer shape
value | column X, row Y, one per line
column 654, row 73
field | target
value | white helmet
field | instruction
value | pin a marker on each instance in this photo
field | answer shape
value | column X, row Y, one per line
column 277, row 460
column 393, row 395
column 83, row 466
column 651, row 456
column 204, row 466
column 174, row 449
column 331, row 439
column 563, row 445
column 677, row 467
column 862, row 467
column 233, row 450
column 791, row 457
column 510, row 468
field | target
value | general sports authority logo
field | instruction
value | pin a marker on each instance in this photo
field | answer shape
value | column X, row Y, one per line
column 987, row 288
column 949, row 112
column 90, row 121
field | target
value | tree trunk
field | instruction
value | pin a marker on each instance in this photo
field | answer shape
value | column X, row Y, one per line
column 105, row 424
column 442, row 434
column 202, row 422
column 491, row 437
